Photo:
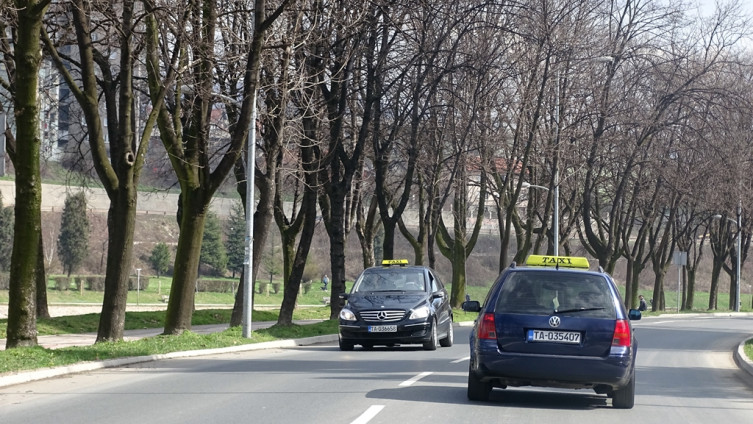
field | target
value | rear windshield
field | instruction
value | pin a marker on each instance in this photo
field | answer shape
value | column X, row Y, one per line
column 562, row 292
column 390, row 280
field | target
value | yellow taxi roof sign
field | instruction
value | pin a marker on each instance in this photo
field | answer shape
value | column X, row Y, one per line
column 558, row 261
column 388, row 262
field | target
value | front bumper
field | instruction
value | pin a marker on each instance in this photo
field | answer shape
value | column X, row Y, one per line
column 408, row 332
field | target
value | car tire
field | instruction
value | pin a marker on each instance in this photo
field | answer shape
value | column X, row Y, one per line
column 431, row 344
column 447, row 341
column 345, row 346
column 624, row 398
column 478, row 390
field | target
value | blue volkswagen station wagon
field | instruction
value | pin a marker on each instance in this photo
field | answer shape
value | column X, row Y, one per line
column 553, row 323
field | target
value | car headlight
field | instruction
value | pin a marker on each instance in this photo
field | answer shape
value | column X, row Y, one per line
column 420, row 312
column 347, row 315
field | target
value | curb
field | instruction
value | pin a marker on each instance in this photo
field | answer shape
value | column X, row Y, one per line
column 741, row 359
column 29, row 376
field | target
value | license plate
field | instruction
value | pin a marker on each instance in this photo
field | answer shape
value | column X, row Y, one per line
column 383, row 329
column 548, row 336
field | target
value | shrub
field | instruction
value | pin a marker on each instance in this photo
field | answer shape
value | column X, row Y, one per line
column 62, row 283
column 306, row 286
column 214, row 286
column 276, row 288
column 144, row 283
column 4, row 281
column 96, row 283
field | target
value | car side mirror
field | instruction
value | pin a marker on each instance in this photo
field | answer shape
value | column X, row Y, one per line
column 343, row 296
column 471, row 306
column 634, row 315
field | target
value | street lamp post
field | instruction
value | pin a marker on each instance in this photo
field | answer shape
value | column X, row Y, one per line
column 249, row 251
column 138, row 284
column 556, row 191
column 555, row 213
column 738, row 246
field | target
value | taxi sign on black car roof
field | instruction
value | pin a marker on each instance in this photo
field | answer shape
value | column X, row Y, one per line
column 390, row 262
column 558, row 261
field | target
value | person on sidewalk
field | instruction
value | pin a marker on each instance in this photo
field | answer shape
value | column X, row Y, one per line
column 325, row 282
column 642, row 303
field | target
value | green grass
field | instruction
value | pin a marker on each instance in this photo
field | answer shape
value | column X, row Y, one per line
column 309, row 295
column 38, row 357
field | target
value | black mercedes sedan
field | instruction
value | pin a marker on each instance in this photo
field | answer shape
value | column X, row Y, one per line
column 396, row 304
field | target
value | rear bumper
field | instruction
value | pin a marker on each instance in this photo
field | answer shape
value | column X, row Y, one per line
column 508, row 369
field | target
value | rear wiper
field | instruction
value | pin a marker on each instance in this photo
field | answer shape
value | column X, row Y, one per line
column 564, row 311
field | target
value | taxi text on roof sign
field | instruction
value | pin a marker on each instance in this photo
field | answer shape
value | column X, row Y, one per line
column 558, row 261
column 388, row 262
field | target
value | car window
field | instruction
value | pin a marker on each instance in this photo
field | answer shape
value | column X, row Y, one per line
column 562, row 292
column 390, row 280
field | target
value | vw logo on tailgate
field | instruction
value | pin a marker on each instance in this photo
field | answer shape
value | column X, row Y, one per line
column 554, row 321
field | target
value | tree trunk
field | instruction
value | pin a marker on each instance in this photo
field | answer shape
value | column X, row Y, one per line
column 121, row 224
column 180, row 306
column 716, row 271
column 22, row 322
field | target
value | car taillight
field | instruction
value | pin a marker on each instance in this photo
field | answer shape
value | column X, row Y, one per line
column 621, row 333
column 486, row 329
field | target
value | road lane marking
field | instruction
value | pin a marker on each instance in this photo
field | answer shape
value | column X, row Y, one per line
column 457, row 361
column 407, row 383
column 368, row 415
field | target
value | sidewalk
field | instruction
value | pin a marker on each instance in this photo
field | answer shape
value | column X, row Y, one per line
column 53, row 342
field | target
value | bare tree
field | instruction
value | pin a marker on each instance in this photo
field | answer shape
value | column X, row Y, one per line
column 27, row 231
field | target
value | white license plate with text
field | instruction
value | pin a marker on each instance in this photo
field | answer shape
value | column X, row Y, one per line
column 549, row 336
column 383, row 329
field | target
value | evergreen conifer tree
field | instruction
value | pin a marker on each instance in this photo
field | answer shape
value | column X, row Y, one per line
column 73, row 241
column 160, row 258
column 6, row 235
column 235, row 236
column 212, row 250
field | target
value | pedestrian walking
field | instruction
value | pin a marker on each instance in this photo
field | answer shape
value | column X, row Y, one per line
column 325, row 282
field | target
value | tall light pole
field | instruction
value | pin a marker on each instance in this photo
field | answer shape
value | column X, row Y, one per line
column 248, row 263
column 556, row 193
column 738, row 247
column 138, row 284
column 555, row 212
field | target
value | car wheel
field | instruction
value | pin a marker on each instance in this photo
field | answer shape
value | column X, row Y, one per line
column 478, row 390
column 431, row 344
column 624, row 398
column 447, row 341
column 345, row 346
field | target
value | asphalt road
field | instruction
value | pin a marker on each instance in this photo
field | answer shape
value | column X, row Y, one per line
column 685, row 374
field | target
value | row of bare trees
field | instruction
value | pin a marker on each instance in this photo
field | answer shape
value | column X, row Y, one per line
column 635, row 114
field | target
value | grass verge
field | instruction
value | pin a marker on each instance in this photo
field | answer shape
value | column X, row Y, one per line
column 25, row 359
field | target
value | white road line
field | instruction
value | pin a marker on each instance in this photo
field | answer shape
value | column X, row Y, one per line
column 407, row 383
column 457, row 361
column 368, row 414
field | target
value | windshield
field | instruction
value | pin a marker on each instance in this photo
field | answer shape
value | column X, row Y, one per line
column 558, row 292
column 386, row 279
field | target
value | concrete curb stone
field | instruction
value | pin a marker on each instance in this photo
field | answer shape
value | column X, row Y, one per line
column 29, row 376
